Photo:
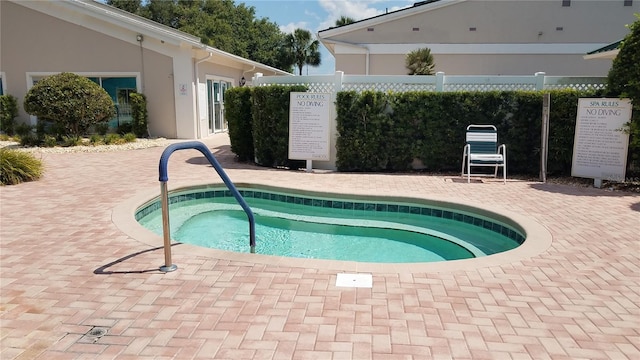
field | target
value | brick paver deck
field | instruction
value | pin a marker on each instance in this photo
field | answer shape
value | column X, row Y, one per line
column 68, row 271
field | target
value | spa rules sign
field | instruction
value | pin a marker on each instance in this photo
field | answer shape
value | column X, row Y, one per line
column 309, row 126
column 600, row 146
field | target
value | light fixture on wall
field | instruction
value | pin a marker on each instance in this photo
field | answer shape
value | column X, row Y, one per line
column 242, row 81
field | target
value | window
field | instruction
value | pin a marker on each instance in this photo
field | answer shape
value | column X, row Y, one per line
column 119, row 88
column 566, row 3
column 628, row 2
column 2, row 86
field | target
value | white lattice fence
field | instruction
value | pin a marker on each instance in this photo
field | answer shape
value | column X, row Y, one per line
column 575, row 83
column 489, row 87
column 435, row 83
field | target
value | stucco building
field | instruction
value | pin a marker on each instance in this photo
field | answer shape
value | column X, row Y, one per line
column 184, row 80
column 485, row 37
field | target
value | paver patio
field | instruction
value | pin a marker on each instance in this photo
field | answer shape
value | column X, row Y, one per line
column 68, row 271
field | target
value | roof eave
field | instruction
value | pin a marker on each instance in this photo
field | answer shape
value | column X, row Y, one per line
column 379, row 19
column 611, row 54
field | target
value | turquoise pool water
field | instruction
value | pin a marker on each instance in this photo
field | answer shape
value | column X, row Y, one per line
column 311, row 226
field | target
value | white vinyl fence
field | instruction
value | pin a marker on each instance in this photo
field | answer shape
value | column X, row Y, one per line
column 437, row 83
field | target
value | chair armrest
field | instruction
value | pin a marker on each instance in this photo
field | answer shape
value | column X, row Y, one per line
column 466, row 150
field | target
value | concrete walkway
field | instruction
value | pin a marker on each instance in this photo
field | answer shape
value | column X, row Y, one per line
column 74, row 285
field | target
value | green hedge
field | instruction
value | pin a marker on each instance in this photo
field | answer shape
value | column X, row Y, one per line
column 8, row 112
column 270, row 112
column 388, row 131
column 237, row 107
column 139, row 123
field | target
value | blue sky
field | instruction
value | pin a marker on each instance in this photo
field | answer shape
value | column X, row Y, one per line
column 315, row 15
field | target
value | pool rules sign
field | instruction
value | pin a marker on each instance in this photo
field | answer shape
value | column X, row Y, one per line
column 600, row 144
column 309, row 126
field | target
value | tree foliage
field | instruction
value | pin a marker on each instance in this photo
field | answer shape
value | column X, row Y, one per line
column 420, row 62
column 218, row 23
column 303, row 49
column 624, row 81
column 71, row 101
column 344, row 20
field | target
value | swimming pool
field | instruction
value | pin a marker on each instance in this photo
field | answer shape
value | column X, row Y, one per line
column 329, row 226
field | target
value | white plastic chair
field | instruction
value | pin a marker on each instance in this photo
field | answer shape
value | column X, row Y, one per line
column 482, row 149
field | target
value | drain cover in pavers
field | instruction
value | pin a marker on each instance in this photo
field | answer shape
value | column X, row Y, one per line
column 354, row 280
column 93, row 335
column 461, row 180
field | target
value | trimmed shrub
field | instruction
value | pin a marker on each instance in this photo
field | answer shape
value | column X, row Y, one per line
column 18, row 166
column 395, row 131
column 237, row 111
column 70, row 100
column 8, row 112
column 139, row 124
column 270, row 113
column 624, row 81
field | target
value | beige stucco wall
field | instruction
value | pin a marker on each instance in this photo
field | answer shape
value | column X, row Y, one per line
column 553, row 65
column 35, row 42
column 522, row 24
column 503, row 21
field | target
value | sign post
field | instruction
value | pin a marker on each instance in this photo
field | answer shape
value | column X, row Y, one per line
column 600, row 145
column 309, row 127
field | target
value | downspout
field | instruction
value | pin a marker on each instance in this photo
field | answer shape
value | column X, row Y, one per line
column 366, row 64
column 246, row 71
column 197, row 91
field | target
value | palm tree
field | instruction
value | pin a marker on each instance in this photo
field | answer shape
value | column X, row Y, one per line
column 303, row 48
column 420, row 62
column 344, row 20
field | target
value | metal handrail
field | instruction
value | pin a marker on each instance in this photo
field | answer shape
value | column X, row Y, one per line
column 164, row 159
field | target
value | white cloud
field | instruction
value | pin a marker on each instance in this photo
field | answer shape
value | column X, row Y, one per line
column 290, row 27
column 357, row 9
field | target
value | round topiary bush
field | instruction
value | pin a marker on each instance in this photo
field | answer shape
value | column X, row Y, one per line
column 69, row 100
column 18, row 166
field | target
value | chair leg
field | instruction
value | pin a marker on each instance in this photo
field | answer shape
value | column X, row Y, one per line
column 504, row 173
column 468, row 170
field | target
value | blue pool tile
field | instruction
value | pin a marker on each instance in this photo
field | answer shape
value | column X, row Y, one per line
column 415, row 210
column 347, row 205
column 447, row 214
column 403, row 209
column 369, row 207
column 358, row 206
column 487, row 224
column 436, row 213
column 425, row 211
column 392, row 208
column 337, row 204
column 381, row 207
